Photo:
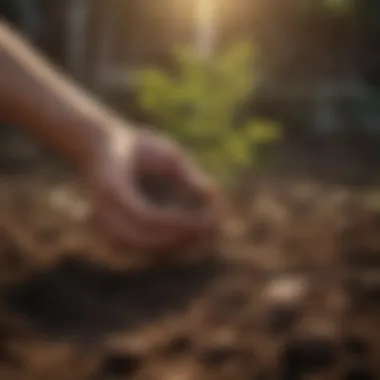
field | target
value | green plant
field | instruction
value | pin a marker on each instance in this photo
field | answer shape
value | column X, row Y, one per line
column 197, row 105
column 339, row 5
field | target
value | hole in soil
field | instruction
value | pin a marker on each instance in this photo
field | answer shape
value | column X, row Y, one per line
column 82, row 299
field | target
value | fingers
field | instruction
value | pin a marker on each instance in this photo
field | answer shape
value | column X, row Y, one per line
column 122, row 222
column 130, row 214
column 125, row 230
column 148, row 229
column 124, row 192
column 198, row 201
column 158, row 155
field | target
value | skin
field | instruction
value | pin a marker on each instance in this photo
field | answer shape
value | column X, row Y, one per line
column 108, row 152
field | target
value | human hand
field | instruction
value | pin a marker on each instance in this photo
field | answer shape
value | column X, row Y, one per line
column 148, row 194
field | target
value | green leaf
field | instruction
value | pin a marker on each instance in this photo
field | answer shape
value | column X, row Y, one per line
column 237, row 150
column 197, row 105
column 262, row 131
column 155, row 88
column 340, row 5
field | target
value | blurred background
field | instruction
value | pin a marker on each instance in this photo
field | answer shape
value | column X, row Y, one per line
column 315, row 71
column 278, row 100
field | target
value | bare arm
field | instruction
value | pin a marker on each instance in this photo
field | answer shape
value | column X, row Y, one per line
column 50, row 107
column 38, row 98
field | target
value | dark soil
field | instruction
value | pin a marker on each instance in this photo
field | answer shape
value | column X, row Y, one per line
column 291, row 292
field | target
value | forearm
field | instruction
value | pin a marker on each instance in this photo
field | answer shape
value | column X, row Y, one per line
column 45, row 103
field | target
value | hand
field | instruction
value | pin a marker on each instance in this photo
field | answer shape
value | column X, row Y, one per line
column 147, row 194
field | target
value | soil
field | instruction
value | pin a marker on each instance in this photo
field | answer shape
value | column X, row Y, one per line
column 290, row 291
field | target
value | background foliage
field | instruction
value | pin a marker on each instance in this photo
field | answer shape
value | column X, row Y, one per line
column 198, row 105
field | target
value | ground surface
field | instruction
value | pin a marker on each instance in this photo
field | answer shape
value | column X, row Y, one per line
column 293, row 292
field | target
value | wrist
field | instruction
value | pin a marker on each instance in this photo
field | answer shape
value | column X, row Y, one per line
column 109, row 134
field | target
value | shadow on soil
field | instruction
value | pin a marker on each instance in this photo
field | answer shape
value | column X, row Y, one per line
column 84, row 301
